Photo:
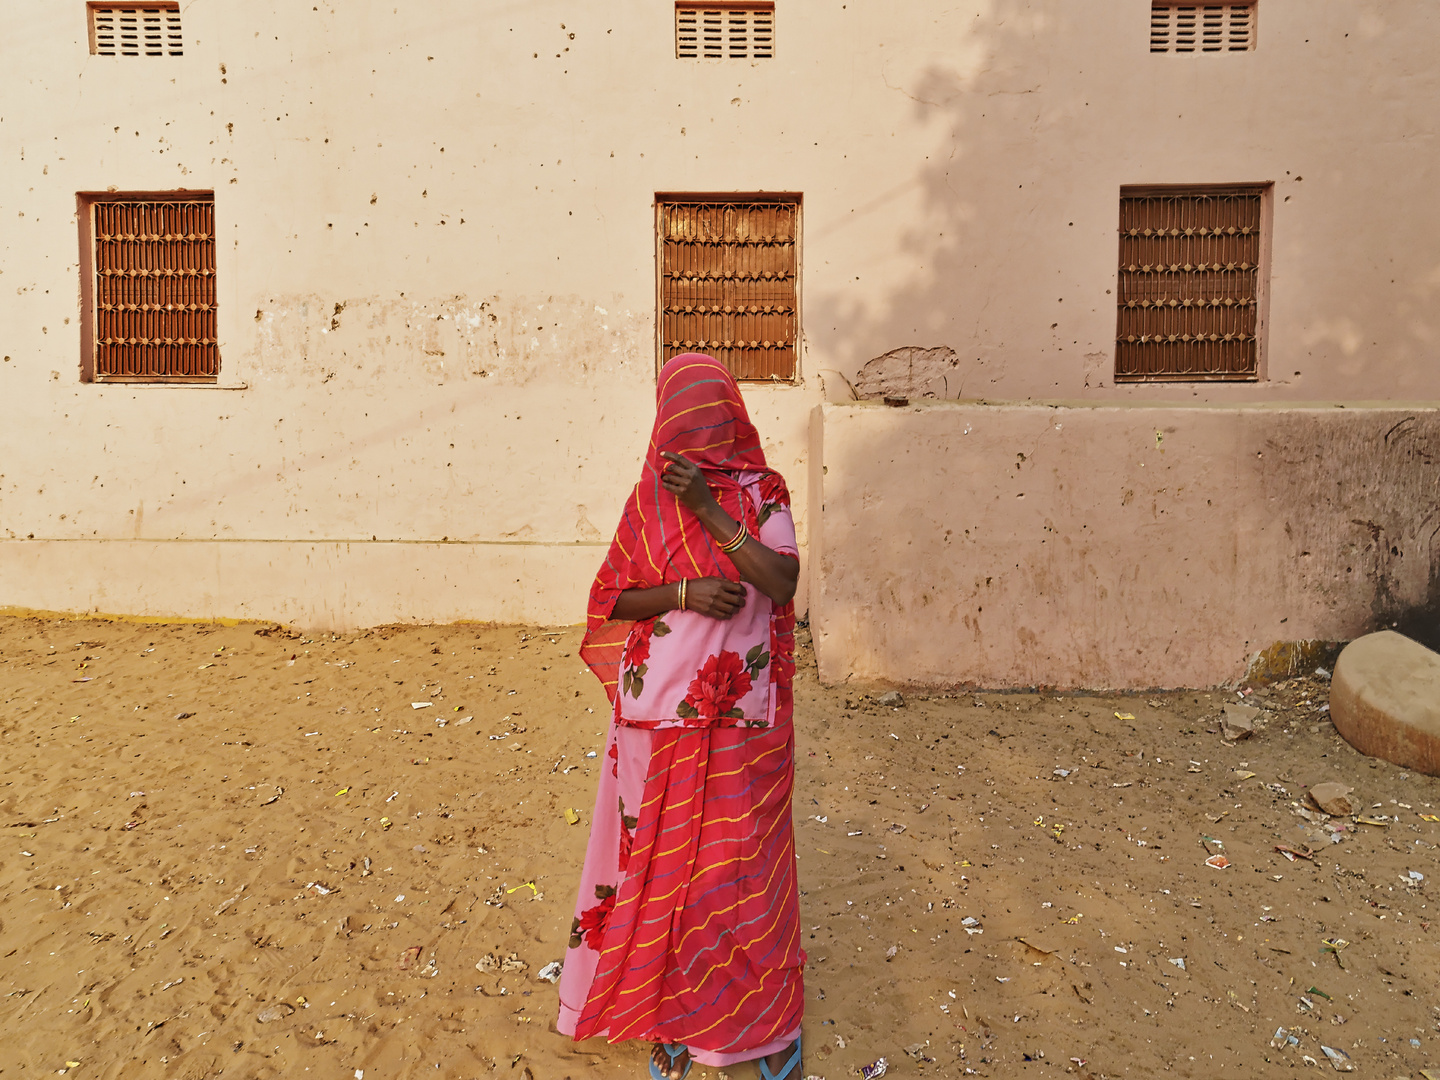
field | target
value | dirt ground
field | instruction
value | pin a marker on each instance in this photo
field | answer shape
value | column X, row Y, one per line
column 240, row 853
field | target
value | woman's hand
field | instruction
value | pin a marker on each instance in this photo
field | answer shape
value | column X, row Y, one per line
column 713, row 596
column 683, row 479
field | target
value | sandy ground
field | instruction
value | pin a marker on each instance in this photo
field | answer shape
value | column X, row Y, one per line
column 247, row 854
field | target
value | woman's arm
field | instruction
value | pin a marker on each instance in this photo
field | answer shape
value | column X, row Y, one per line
column 710, row 596
column 773, row 574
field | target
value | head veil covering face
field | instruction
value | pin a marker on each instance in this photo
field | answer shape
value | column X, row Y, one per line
column 700, row 415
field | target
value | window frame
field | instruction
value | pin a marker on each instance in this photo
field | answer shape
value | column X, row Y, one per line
column 86, row 201
column 793, row 198
column 1265, row 190
column 725, row 6
column 1200, row 5
column 93, row 6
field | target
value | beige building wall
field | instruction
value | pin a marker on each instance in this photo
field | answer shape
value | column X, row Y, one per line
column 437, row 262
column 1072, row 545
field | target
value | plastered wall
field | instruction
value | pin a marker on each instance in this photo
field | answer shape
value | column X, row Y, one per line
column 437, row 264
column 1074, row 546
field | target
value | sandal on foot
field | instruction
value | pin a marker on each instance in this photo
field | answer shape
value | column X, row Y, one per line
column 674, row 1050
column 785, row 1070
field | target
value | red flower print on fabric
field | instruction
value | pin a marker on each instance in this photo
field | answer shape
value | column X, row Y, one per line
column 637, row 651
column 721, row 682
column 589, row 925
column 614, row 756
column 627, row 837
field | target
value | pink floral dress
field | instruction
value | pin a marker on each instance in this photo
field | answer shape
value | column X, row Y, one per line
column 684, row 669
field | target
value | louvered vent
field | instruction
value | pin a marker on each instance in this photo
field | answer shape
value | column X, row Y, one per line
column 728, row 271
column 135, row 30
column 1189, row 294
column 1190, row 28
column 154, row 288
column 736, row 31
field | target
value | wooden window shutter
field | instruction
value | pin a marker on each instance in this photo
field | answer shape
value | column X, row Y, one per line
column 135, row 29
column 729, row 272
column 739, row 30
column 1190, row 280
column 1211, row 28
column 150, row 288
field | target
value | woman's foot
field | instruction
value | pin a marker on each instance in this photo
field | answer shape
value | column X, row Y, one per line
column 783, row 1064
column 669, row 1063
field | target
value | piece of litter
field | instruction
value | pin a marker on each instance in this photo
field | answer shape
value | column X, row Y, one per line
column 1334, row 798
column 1218, row 862
column 891, row 951
column 1178, row 961
column 343, row 791
column 399, row 898
column 1429, row 817
column 1062, row 773
column 571, row 816
column 550, row 972
column 278, row 1011
column 1415, row 875
column 1124, row 716
column 874, row 1069
column 590, row 754
column 1282, row 1038
column 1238, row 722
column 421, row 704
column 1338, row 1058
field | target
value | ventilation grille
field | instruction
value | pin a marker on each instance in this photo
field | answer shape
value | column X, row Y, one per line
column 733, row 32
column 1189, row 285
column 728, row 276
column 135, row 30
column 155, row 289
column 1189, row 28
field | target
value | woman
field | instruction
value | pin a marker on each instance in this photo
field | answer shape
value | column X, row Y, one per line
column 687, row 930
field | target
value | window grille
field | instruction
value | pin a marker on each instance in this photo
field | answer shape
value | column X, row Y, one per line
column 728, row 281
column 1190, row 284
column 139, row 29
column 733, row 31
column 1189, row 28
column 151, row 288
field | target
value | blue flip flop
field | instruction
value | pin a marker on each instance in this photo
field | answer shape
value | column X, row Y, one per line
column 790, row 1066
column 674, row 1050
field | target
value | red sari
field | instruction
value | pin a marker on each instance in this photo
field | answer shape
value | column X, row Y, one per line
column 687, row 925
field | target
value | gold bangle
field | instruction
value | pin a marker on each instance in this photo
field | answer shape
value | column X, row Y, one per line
column 682, row 594
column 736, row 542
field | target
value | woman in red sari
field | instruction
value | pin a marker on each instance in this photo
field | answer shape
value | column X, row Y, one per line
column 686, row 932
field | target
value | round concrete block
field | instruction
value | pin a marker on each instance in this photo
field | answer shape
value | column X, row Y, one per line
column 1385, row 700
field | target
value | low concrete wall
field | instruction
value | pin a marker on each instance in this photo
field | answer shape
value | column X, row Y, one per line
column 1077, row 546
column 325, row 586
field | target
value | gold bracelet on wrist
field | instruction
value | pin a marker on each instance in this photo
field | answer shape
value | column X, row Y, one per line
column 682, row 594
column 736, row 542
